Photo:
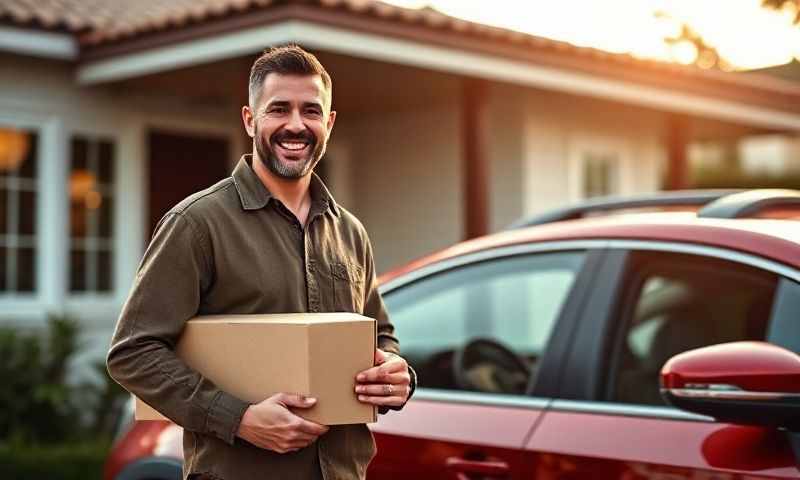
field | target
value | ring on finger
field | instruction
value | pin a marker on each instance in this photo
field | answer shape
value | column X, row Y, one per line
column 388, row 389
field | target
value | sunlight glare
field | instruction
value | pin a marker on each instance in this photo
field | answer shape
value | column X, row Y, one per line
column 744, row 34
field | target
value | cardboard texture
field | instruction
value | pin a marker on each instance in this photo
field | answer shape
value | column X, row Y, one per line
column 255, row 356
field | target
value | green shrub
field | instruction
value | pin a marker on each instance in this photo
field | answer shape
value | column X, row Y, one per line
column 45, row 432
column 81, row 461
column 36, row 403
column 736, row 178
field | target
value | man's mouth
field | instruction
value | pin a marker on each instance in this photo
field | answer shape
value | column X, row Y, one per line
column 293, row 145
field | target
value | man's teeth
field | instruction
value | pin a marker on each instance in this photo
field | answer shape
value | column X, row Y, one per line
column 293, row 145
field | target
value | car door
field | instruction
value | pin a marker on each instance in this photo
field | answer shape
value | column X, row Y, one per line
column 465, row 325
column 610, row 421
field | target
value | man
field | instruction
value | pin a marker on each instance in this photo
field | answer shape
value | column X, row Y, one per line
column 268, row 239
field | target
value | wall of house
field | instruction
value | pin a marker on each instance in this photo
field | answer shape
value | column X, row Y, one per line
column 550, row 133
column 401, row 172
column 43, row 95
column 404, row 180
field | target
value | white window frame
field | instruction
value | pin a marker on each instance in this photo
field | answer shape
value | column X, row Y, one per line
column 582, row 147
column 16, row 240
column 93, row 243
column 32, row 308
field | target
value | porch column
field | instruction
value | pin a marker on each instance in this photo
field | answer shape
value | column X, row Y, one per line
column 243, row 98
column 678, row 164
column 474, row 124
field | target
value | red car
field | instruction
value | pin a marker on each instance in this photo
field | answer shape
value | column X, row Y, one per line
column 578, row 345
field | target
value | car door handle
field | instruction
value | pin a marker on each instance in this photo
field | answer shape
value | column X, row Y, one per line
column 487, row 468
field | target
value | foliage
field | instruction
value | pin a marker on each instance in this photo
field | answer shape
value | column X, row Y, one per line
column 81, row 461
column 38, row 405
column 50, row 428
column 781, row 4
column 734, row 178
column 707, row 55
column 107, row 400
column 35, row 403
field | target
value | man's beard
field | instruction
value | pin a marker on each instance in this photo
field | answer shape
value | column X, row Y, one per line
column 294, row 170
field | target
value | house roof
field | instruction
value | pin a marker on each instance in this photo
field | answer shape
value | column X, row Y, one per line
column 106, row 21
column 109, row 27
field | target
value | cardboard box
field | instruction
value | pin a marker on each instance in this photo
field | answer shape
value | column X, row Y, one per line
column 255, row 356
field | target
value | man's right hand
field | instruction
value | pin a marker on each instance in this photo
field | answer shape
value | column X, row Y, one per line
column 272, row 426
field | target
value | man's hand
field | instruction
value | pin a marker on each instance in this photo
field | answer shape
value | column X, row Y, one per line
column 387, row 384
column 272, row 426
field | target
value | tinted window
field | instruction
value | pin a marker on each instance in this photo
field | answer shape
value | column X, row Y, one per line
column 678, row 302
column 510, row 304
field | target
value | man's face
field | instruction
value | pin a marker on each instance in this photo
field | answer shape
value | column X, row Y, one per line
column 291, row 124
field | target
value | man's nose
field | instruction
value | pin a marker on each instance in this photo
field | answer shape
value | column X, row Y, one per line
column 295, row 123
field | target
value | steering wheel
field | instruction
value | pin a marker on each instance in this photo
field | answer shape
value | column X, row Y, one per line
column 486, row 365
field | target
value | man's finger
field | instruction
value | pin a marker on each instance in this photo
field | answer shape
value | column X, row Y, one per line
column 375, row 374
column 303, row 438
column 382, row 401
column 396, row 379
column 380, row 356
column 295, row 400
column 312, row 428
column 380, row 389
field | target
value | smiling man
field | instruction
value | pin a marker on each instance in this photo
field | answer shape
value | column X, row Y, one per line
column 268, row 239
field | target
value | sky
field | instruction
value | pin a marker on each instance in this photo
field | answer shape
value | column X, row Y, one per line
column 745, row 35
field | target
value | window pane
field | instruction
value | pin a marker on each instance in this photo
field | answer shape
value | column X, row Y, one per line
column 105, row 163
column 105, row 227
column 103, row 271
column 599, row 175
column 30, row 164
column 79, row 154
column 26, row 269
column 3, row 254
column 3, row 210
column 684, row 302
column 512, row 302
column 77, row 271
column 17, row 153
column 27, row 213
column 78, row 226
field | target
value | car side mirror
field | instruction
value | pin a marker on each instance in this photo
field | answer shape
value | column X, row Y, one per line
column 751, row 383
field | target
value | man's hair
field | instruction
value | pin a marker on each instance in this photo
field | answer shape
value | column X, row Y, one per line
column 286, row 60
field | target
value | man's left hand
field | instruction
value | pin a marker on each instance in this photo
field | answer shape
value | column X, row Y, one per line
column 386, row 384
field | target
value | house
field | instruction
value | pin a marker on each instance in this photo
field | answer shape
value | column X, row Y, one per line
column 110, row 112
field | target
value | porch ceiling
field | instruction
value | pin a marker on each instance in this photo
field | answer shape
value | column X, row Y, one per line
column 119, row 41
column 360, row 85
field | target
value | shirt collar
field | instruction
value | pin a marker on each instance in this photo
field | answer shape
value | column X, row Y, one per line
column 254, row 195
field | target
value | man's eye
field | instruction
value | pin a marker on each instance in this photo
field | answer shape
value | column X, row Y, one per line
column 313, row 111
column 276, row 110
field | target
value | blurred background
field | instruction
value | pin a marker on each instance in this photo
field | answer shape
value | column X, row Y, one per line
column 455, row 118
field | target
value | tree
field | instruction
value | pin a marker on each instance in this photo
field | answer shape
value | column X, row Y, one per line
column 781, row 4
column 707, row 55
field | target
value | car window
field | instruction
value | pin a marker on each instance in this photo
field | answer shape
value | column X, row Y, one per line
column 678, row 302
column 482, row 327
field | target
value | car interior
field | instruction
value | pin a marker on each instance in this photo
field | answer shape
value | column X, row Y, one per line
column 682, row 303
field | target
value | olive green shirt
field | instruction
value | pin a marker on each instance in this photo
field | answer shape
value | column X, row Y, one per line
column 233, row 248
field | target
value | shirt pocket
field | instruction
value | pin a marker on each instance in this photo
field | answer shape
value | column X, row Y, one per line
column 348, row 287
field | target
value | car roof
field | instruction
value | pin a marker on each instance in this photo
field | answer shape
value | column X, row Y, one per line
column 774, row 239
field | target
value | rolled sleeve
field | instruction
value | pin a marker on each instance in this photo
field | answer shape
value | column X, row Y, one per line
column 224, row 416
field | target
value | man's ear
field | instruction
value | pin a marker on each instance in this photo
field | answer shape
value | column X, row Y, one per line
column 248, row 120
column 331, row 120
